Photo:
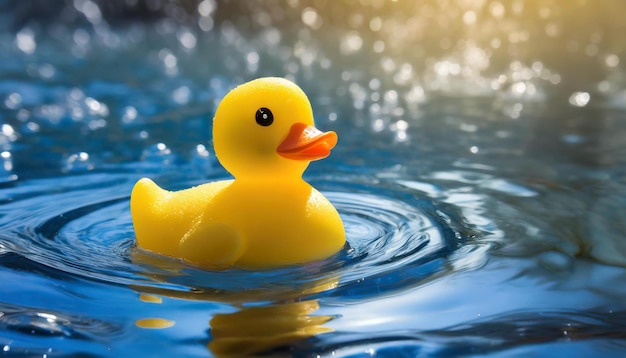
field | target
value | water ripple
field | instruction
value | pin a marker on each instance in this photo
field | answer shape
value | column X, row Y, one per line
column 505, row 334
column 394, row 240
column 48, row 324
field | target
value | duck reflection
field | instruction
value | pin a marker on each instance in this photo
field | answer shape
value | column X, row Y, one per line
column 254, row 330
column 257, row 327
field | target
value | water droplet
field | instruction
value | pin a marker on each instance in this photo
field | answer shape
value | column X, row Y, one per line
column 470, row 128
column 187, row 39
column 446, row 68
column 32, row 127
column 379, row 46
column 8, row 135
column 143, row 135
column 51, row 113
column 612, row 60
column 416, row 95
column 404, row 75
column 391, row 97
column 497, row 10
column 13, row 101
column 402, row 125
column 604, row 86
column 555, row 79
column 6, row 167
column 271, row 36
column 25, row 41
column 518, row 88
column 129, row 114
column 207, row 7
column 579, row 99
column 378, row 125
column 205, row 23
column 158, row 153
column 169, row 61
column 252, row 58
column 76, row 94
column 77, row 113
column 401, row 136
column 95, row 124
column 374, row 84
column 46, row 70
column 552, row 29
column 311, row 18
column 90, row 9
column 23, row 115
column 202, row 159
column 78, row 162
column 376, row 24
column 181, row 95
column 201, row 151
column 81, row 37
column 513, row 111
column 469, row 18
column 96, row 108
column 351, row 43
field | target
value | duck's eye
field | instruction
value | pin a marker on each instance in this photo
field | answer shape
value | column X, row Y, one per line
column 264, row 116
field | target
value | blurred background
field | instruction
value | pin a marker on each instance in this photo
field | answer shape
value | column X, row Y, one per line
column 371, row 62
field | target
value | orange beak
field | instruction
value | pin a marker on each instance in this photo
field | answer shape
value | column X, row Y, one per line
column 306, row 142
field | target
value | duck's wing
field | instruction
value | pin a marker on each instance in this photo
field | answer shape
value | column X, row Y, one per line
column 212, row 245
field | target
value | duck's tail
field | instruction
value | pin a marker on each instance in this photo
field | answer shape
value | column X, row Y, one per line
column 144, row 195
column 146, row 205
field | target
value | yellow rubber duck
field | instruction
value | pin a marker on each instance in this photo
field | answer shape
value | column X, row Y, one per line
column 268, row 216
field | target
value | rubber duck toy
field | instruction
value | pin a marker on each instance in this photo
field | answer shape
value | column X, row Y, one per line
column 267, row 216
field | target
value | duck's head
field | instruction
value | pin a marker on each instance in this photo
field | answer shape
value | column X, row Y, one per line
column 264, row 129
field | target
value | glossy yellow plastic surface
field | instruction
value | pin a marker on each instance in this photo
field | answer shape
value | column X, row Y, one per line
column 267, row 216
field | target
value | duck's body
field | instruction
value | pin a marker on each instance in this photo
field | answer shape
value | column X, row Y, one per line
column 275, row 224
column 266, row 217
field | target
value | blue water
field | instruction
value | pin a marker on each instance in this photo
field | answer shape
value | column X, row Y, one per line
column 480, row 175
